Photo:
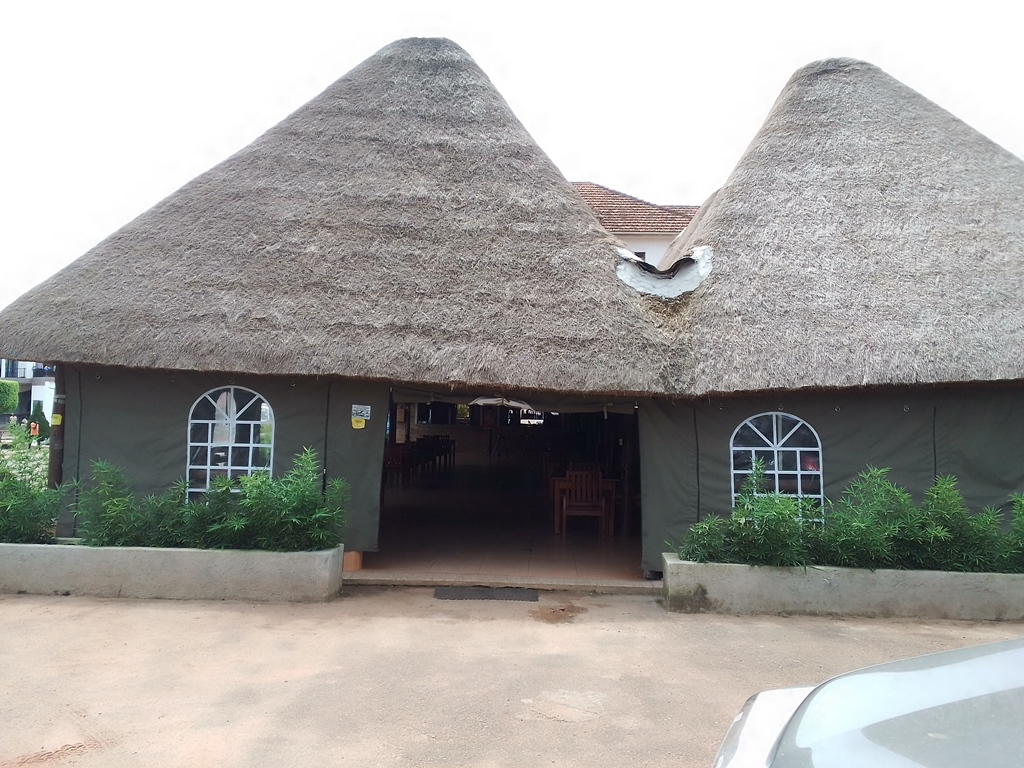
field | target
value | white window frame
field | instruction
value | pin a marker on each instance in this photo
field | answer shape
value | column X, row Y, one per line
column 773, row 452
column 217, row 453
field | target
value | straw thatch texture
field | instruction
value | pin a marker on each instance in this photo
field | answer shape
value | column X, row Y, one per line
column 403, row 225
column 866, row 237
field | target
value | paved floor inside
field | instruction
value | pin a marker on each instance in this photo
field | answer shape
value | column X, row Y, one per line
column 493, row 518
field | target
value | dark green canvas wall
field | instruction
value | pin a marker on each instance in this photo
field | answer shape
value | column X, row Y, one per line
column 975, row 433
column 138, row 420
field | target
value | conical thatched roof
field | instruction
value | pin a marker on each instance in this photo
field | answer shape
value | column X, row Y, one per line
column 403, row 225
column 866, row 237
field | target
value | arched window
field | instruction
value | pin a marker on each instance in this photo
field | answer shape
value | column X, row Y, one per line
column 230, row 434
column 788, row 447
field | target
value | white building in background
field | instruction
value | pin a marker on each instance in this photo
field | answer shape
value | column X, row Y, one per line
column 35, row 384
column 646, row 229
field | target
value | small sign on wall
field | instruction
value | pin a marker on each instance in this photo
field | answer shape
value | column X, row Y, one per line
column 360, row 415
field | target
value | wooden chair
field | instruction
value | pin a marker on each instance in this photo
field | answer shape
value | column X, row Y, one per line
column 584, row 496
column 398, row 463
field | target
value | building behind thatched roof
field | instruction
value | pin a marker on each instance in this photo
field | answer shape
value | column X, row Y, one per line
column 624, row 214
column 866, row 237
column 403, row 225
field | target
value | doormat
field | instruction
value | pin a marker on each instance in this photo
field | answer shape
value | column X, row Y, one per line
column 486, row 593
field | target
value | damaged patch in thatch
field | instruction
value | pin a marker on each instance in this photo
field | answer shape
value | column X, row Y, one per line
column 684, row 275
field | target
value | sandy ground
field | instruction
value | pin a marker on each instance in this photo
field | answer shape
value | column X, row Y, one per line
column 394, row 677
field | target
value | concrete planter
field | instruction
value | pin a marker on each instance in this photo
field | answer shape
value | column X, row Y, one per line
column 824, row 591
column 178, row 574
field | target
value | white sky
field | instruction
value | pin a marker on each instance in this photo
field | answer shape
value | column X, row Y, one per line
column 110, row 106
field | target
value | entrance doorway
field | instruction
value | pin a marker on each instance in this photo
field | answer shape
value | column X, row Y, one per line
column 470, row 491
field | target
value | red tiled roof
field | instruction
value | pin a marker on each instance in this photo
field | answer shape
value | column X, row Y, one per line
column 624, row 214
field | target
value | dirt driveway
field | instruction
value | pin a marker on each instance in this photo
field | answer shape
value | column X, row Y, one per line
column 394, row 677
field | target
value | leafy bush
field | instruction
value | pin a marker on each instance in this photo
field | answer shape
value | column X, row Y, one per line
column 1011, row 554
column 705, row 542
column 764, row 529
column 286, row 514
column 27, row 515
column 858, row 531
column 107, row 511
column 955, row 539
column 28, row 509
column 8, row 396
column 873, row 525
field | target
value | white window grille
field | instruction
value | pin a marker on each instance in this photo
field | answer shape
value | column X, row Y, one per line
column 230, row 434
column 789, row 450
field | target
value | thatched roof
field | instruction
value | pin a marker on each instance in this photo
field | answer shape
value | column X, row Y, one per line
column 866, row 237
column 403, row 225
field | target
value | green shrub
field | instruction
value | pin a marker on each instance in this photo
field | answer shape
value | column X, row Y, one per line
column 1011, row 551
column 954, row 538
column 767, row 529
column 27, row 514
column 764, row 529
column 848, row 541
column 108, row 513
column 705, row 541
column 28, row 509
column 284, row 514
column 8, row 396
column 873, row 525
column 856, row 531
column 23, row 460
column 292, row 513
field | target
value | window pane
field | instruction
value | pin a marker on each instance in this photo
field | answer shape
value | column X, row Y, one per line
column 240, row 457
column 204, row 410
column 764, row 424
column 789, row 484
column 802, row 438
column 742, row 460
column 811, row 485
column 199, row 433
column 785, row 424
column 197, row 478
column 261, row 457
column 243, row 434
column 248, row 406
column 767, row 458
column 810, row 461
column 221, row 432
column 266, row 434
column 738, row 479
column 219, row 457
column 200, row 455
column 746, row 437
column 787, row 461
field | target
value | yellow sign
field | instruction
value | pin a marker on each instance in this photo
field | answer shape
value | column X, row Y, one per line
column 358, row 423
column 56, row 420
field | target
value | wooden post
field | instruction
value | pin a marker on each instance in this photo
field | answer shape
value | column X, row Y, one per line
column 55, row 469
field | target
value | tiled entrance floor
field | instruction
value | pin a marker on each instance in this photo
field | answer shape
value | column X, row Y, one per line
column 492, row 519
